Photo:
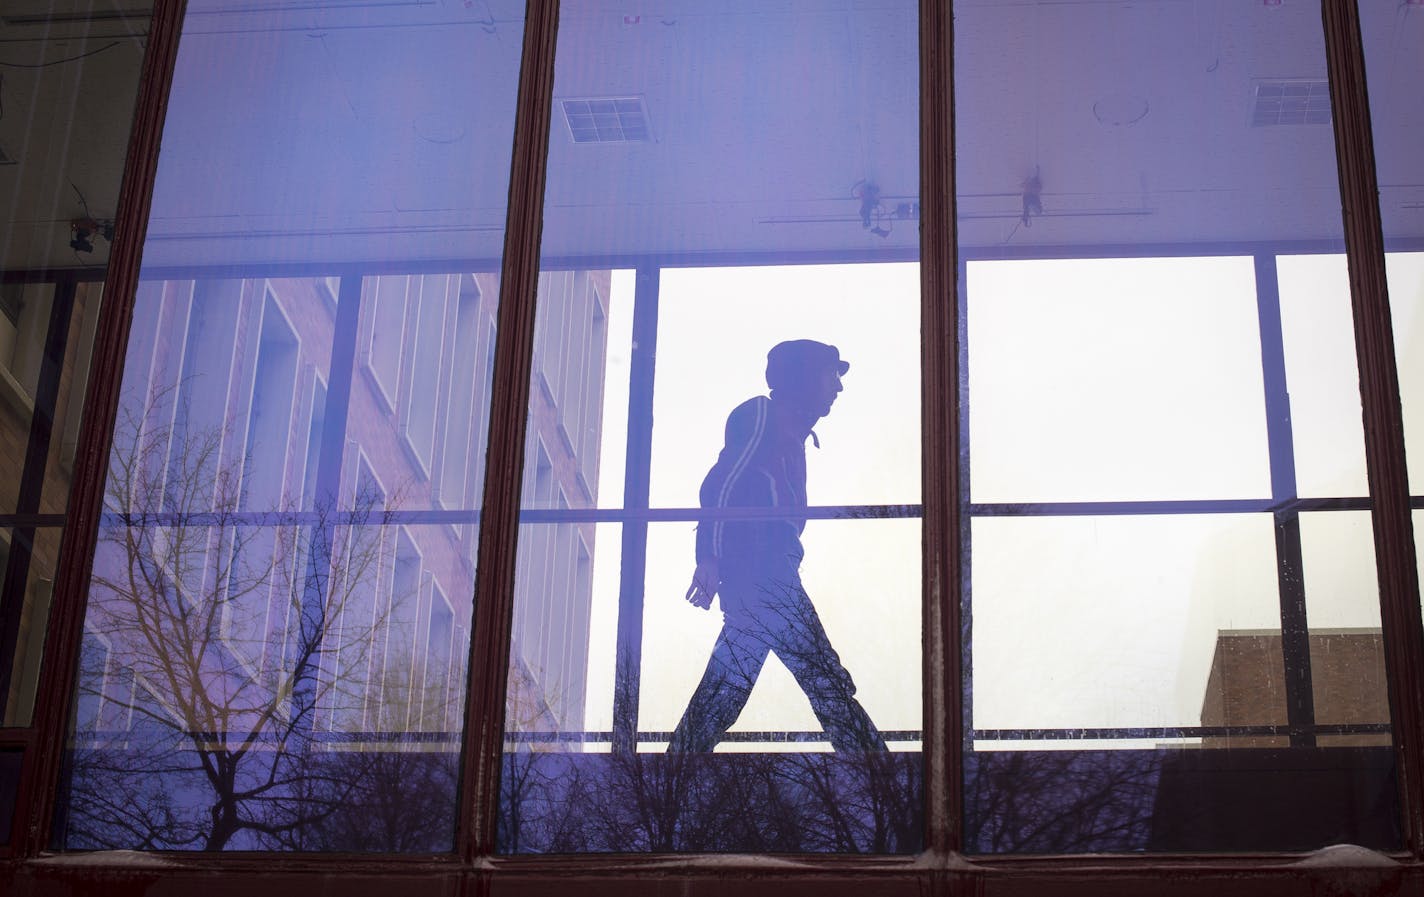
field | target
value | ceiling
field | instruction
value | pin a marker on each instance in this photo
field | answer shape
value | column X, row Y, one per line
column 318, row 131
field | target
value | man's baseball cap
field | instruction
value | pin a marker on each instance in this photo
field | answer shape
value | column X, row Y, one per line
column 794, row 360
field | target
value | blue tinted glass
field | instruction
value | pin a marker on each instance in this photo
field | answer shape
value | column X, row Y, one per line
column 1173, row 637
column 723, row 181
column 279, row 617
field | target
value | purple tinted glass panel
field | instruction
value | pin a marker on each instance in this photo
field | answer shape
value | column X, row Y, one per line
column 1172, row 630
column 723, row 180
column 278, row 623
column 277, row 592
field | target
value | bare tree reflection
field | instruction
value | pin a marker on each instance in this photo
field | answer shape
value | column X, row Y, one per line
column 736, row 802
column 213, row 701
column 1059, row 801
column 553, row 799
column 402, row 801
column 780, row 620
column 770, row 802
column 874, row 804
column 527, row 780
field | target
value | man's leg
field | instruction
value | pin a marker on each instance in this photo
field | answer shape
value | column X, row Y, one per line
column 794, row 632
column 736, row 660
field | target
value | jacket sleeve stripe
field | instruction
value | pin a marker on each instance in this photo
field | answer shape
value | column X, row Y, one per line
column 738, row 466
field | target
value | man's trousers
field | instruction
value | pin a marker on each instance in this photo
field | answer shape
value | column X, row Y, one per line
column 760, row 619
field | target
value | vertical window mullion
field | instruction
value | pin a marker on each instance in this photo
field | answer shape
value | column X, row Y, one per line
column 499, row 517
column 1379, row 388
column 35, row 807
column 943, row 701
column 627, row 667
column 1290, row 569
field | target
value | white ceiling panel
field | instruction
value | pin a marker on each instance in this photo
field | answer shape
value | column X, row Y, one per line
column 361, row 131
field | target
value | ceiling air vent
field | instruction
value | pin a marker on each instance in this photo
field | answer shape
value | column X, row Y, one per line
column 1291, row 102
column 606, row 119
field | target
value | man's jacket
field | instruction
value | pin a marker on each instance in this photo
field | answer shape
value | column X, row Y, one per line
column 762, row 465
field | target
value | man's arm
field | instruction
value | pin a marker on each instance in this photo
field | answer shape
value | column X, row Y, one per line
column 704, row 584
column 745, row 430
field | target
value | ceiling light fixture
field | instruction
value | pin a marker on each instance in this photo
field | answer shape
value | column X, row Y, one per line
column 606, row 119
column 1291, row 101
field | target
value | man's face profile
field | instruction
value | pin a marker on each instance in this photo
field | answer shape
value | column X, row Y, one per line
column 825, row 385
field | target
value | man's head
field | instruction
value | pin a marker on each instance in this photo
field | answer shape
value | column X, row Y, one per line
column 805, row 372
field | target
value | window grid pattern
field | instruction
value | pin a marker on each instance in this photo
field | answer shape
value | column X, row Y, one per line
column 512, row 367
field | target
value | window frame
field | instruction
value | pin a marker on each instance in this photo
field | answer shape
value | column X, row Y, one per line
column 26, row 867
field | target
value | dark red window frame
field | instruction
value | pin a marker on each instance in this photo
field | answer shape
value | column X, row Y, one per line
column 27, row 868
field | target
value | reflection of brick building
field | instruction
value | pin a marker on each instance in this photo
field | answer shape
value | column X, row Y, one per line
column 27, row 316
column 251, row 371
column 554, row 585
column 1276, row 795
column 1246, row 685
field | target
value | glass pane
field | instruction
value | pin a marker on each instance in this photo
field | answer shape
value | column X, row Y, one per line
column 1324, row 379
column 283, row 583
column 1346, row 641
column 1049, row 648
column 29, row 557
column 1172, row 613
column 703, row 247
column 868, row 636
column 715, row 326
column 50, row 329
column 279, row 618
column 1405, row 271
column 66, row 104
column 1165, row 403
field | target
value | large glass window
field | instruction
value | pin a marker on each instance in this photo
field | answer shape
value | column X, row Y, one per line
column 1171, row 638
column 1173, row 631
column 279, row 617
column 725, row 394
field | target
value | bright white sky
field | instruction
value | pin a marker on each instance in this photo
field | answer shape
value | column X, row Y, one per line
column 1090, row 380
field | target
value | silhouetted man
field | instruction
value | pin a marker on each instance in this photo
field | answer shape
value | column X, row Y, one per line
column 753, row 562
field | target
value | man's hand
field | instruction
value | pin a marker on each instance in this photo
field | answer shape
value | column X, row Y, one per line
column 704, row 585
